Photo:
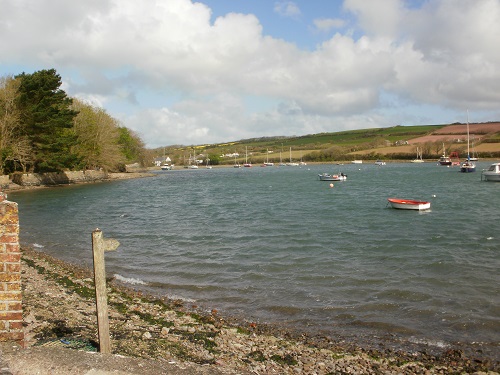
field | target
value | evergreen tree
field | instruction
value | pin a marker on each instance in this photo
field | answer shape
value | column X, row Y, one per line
column 47, row 120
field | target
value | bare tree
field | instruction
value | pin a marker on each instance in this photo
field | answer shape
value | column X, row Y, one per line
column 14, row 146
column 97, row 137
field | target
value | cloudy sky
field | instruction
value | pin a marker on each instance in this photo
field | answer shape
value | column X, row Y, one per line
column 187, row 72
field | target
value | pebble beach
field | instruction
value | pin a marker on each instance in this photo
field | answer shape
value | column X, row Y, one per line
column 59, row 309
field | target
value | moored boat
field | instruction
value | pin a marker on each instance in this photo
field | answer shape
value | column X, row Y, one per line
column 468, row 165
column 332, row 177
column 444, row 159
column 419, row 157
column 409, row 204
column 492, row 173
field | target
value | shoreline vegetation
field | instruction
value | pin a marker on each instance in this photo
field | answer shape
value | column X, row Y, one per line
column 59, row 305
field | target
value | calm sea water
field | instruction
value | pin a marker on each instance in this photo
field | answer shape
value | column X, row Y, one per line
column 277, row 245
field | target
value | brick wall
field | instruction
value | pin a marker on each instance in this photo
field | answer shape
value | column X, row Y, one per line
column 11, row 311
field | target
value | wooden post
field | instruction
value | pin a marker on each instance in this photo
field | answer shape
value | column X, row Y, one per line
column 99, row 246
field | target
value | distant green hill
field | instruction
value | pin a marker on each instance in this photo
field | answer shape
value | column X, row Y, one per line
column 322, row 147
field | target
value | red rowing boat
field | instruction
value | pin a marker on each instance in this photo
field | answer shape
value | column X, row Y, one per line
column 409, row 204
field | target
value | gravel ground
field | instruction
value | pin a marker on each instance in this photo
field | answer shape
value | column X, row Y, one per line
column 152, row 336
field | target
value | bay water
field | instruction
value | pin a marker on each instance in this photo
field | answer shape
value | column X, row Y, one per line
column 276, row 245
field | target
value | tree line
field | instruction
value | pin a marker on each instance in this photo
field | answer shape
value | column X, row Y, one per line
column 42, row 129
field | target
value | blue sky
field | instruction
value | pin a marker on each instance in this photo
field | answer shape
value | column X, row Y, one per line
column 184, row 72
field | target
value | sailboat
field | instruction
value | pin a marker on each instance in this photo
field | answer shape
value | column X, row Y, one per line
column 267, row 163
column 236, row 165
column 208, row 166
column 291, row 163
column 419, row 157
column 194, row 162
column 474, row 155
column 281, row 161
column 468, row 166
column 247, row 164
column 301, row 161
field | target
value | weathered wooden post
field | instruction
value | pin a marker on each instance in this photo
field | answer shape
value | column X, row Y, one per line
column 99, row 246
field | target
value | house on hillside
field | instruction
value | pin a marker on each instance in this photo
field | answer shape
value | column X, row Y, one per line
column 161, row 160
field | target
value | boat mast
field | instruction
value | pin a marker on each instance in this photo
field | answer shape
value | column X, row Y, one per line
column 468, row 154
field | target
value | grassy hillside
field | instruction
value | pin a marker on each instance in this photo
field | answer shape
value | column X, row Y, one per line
column 387, row 143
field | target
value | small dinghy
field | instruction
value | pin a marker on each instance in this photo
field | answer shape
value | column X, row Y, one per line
column 409, row 204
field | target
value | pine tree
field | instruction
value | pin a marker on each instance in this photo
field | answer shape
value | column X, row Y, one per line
column 47, row 121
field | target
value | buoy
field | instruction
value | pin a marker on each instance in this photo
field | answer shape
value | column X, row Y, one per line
column 433, row 195
column 331, row 185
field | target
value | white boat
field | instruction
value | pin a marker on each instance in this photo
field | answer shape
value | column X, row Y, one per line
column 409, row 204
column 247, row 164
column 474, row 154
column 468, row 165
column 332, row 177
column 380, row 162
column 444, row 159
column 419, row 157
column 236, row 165
column 208, row 166
column 166, row 166
column 291, row 163
column 267, row 163
column 357, row 162
column 301, row 162
column 492, row 173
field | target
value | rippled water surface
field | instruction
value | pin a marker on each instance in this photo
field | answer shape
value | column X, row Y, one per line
column 275, row 244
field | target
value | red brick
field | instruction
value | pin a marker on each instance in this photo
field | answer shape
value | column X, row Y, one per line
column 11, row 315
column 13, row 247
column 11, row 296
column 16, row 325
column 16, row 306
column 10, row 277
column 10, row 257
column 8, row 238
column 12, row 336
column 13, row 267
column 12, row 287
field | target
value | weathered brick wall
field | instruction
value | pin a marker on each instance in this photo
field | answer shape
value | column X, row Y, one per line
column 11, row 311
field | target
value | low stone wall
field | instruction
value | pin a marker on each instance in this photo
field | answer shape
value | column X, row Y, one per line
column 4, row 181
column 58, row 178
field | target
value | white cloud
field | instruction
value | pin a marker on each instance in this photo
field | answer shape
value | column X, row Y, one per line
column 327, row 24
column 175, row 74
column 287, row 9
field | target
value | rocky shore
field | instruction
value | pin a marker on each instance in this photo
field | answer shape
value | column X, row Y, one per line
column 59, row 312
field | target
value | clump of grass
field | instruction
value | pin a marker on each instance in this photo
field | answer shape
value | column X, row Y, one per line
column 257, row 356
column 149, row 318
column 287, row 359
column 65, row 280
column 80, row 289
column 243, row 331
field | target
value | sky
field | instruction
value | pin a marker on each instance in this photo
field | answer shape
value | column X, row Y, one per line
column 183, row 72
